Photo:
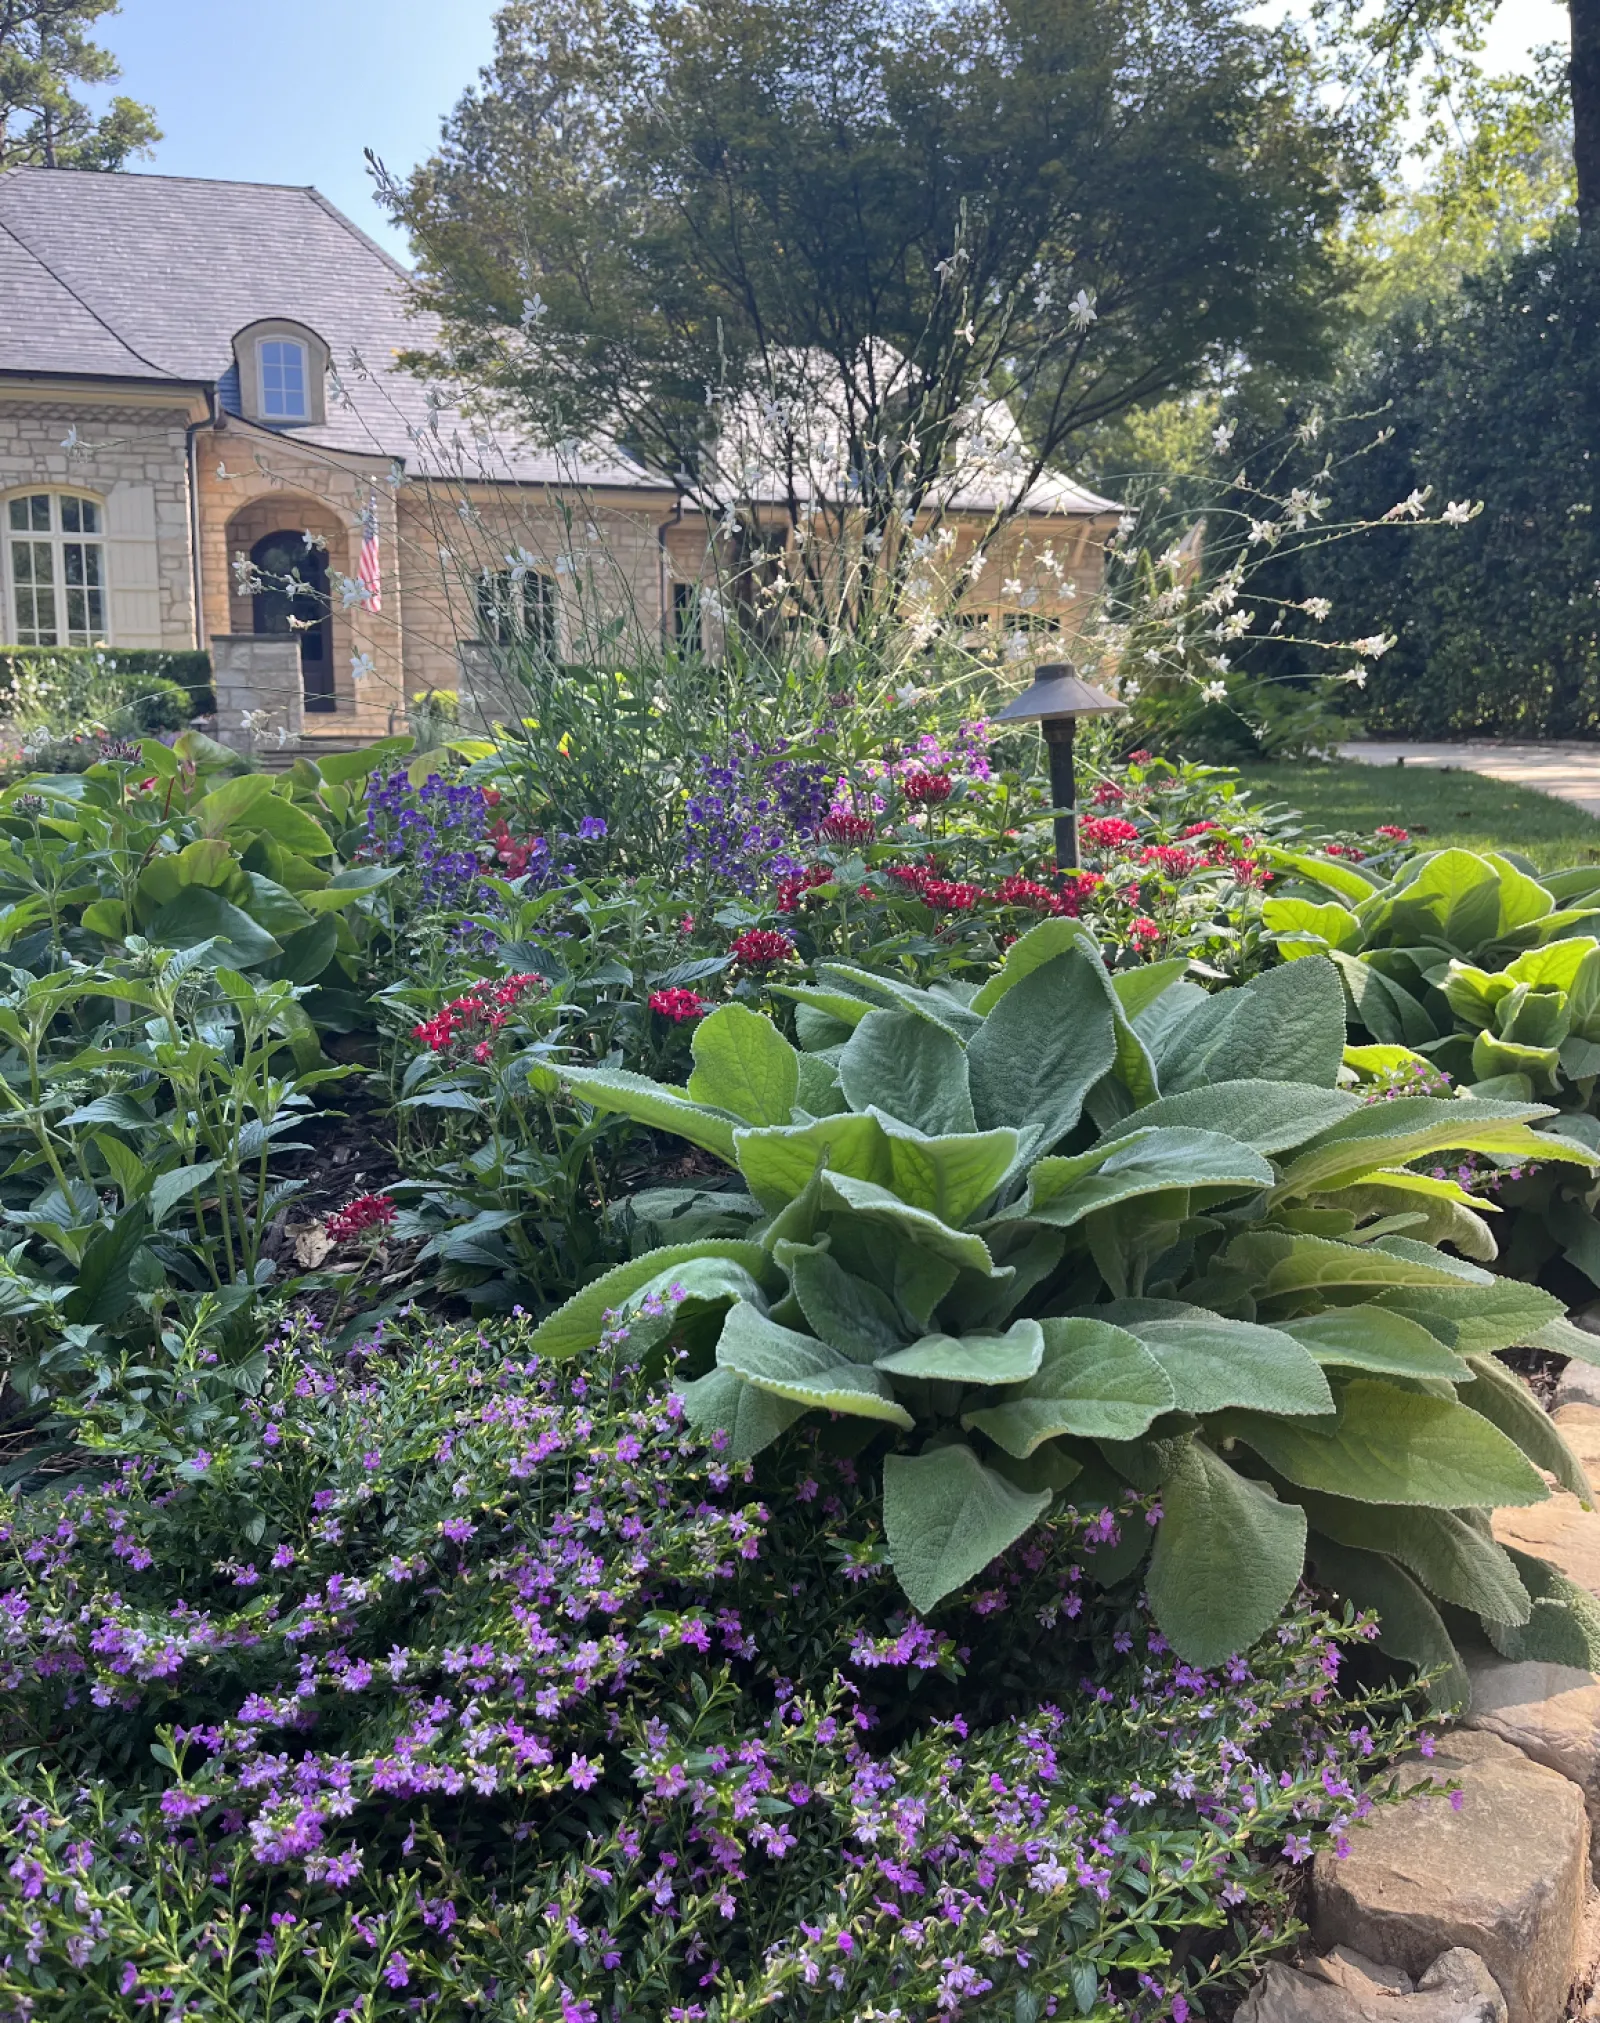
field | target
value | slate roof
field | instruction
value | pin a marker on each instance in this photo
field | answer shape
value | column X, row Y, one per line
column 148, row 277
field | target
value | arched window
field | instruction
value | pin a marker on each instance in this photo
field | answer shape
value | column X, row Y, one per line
column 55, row 569
column 285, row 379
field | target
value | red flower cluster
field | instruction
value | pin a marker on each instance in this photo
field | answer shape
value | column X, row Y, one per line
column 509, row 851
column 1108, row 795
column 1394, row 835
column 486, row 1006
column 1344, row 850
column 761, row 948
column 1139, row 758
column 1197, row 828
column 840, row 827
column 792, row 890
column 1170, row 858
column 679, row 1005
column 921, row 788
column 1143, row 929
column 944, row 895
column 1107, row 832
column 367, row 1211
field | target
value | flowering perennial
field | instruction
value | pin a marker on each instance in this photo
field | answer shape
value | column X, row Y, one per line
column 482, row 1010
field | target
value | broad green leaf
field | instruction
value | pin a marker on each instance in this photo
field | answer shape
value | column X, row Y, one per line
column 946, row 1516
column 1409, row 1626
column 915, row 1225
column 168, row 1189
column 1451, row 898
column 1226, row 1561
column 910, row 1068
column 847, row 1312
column 833, row 1004
column 1138, row 989
column 1390, row 1446
column 779, row 1163
column 228, row 805
column 1040, row 1051
column 1410, row 1127
column 722, row 1402
column 306, row 953
column 1561, row 1338
column 1279, row 1264
column 1095, row 1381
column 1371, row 1338
column 951, row 1177
column 1148, row 1162
column 1336, row 875
column 275, row 908
column 1505, row 1401
column 338, row 768
column 199, row 914
column 804, row 1370
column 1031, row 951
column 275, row 816
column 1213, row 1362
column 1563, row 1626
column 1315, row 923
column 1479, row 1320
column 819, row 1094
column 1385, row 1008
column 1450, row 1556
column 1267, row 1116
column 346, row 888
column 970, row 1359
column 743, row 1064
column 888, row 993
column 657, row 1104
column 578, row 1325
column 1285, row 1026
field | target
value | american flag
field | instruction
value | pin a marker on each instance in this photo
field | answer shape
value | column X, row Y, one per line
column 367, row 569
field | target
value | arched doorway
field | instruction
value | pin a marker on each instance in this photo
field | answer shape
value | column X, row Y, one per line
column 280, row 555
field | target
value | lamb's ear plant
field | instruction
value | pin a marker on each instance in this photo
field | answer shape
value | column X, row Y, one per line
column 1076, row 1232
column 1479, row 969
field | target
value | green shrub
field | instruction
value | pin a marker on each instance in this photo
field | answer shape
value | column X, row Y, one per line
column 434, row 1676
column 1073, row 1231
column 65, row 673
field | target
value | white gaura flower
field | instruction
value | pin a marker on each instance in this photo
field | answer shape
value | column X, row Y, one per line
column 534, row 310
column 1374, row 648
column 362, row 666
column 1222, row 437
column 1460, row 511
column 349, row 589
column 1358, row 675
column 1409, row 508
column 908, row 693
column 1317, row 608
column 1214, row 691
column 1263, row 530
column 1011, row 587
column 1081, row 311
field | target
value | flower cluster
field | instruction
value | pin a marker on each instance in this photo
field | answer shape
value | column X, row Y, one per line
column 437, row 827
column 749, row 810
column 760, row 948
column 483, row 1010
column 923, row 789
column 944, row 895
column 366, row 1213
column 844, row 825
column 678, row 1005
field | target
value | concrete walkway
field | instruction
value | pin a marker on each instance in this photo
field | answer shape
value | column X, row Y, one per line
column 1568, row 772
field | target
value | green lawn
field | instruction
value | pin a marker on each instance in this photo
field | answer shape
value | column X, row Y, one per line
column 1439, row 808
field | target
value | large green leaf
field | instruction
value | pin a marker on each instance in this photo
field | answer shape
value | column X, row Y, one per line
column 1451, row 898
column 1505, row 1401
column 946, row 1516
column 1031, row 951
column 175, row 1185
column 1391, row 1446
column 657, row 1104
column 779, row 1162
column 1148, row 1162
column 1213, row 1362
column 889, row 993
column 1285, row 1026
column 859, row 1320
column 1227, row 1558
column 722, row 1402
column 1095, row 1381
column 909, row 1067
column 1280, row 1264
column 1563, row 1626
column 1040, row 1051
column 1409, row 1626
column 803, row 1370
column 970, row 1359
column 199, row 914
column 578, row 1325
column 744, row 1065
column 1450, row 1556
column 1477, row 1321
column 1370, row 1337
column 1336, row 875
column 915, row 1225
column 1267, row 1116
column 1319, row 923
column 276, row 816
column 951, row 1177
column 1409, row 1127
column 227, row 806
column 1385, row 1008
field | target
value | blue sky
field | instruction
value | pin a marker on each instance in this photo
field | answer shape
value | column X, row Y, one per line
column 291, row 91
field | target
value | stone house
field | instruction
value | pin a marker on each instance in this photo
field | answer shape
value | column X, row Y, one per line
column 201, row 396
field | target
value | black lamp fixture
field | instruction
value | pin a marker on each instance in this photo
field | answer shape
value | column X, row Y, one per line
column 1055, row 702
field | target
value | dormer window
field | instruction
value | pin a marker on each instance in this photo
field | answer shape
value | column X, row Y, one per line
column 284, row 380
column 282, row 367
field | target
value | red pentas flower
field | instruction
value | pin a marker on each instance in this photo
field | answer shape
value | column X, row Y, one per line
column 761, row 948
column 792, row 890
column 679, row 1005
column 840, row 826
column 1108, row 795
column 1019, row 891
column 921, row 788
column 1143, row 929
column 1348, row 850
column 1107, row 832
column 1139, row 758
column 944, row 895
column 486, row 1007
column 1197, row 828
column 356, row 1218
column 1171, row 858
column 1394, row 834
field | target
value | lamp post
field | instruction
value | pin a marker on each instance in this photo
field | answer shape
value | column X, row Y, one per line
column 1055, row 702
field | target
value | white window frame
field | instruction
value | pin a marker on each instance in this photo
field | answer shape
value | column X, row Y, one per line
column 57, row 539
column 298, row 344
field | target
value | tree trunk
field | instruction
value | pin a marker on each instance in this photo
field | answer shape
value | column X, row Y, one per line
column 1586, row 107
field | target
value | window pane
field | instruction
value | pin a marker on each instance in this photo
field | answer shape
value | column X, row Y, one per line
column 283, row 379
column 70, row 509
column 90, row 513
column 32, row 514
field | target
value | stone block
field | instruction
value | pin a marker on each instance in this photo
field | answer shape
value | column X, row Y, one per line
column 1559, row 1530
column 1505, row 1875
column 1344, row 1987
column 1550, row 1712
column 1579, row 1419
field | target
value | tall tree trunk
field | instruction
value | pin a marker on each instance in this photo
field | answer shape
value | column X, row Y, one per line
column 1586, row 107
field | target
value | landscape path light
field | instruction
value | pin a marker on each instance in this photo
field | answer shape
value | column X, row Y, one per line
column 1055, row 702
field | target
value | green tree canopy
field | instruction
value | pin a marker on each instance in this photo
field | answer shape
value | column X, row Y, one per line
column 847, row 243
column 45, row 51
